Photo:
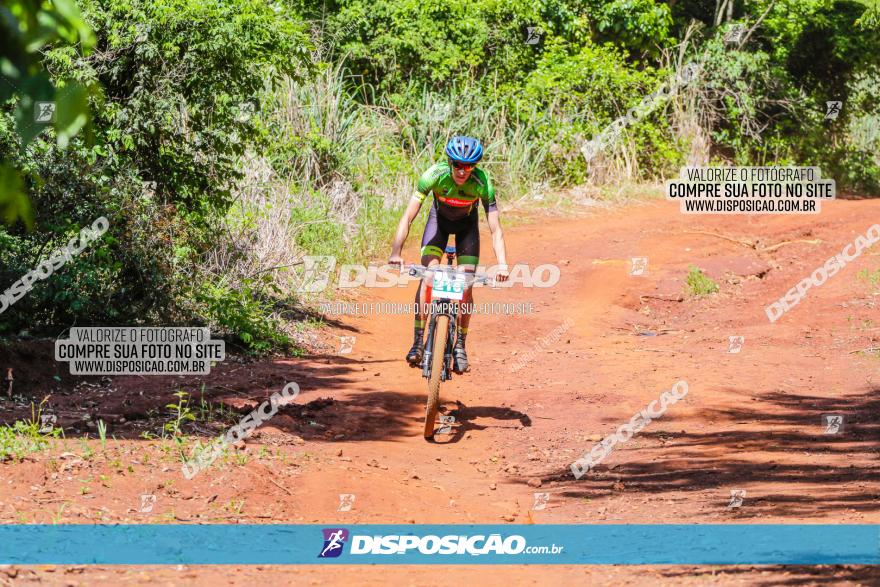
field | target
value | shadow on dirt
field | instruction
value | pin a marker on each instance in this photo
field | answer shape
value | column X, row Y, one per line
column 465, row 417
column 791, row 574
column 799, row 426
column 134, row 407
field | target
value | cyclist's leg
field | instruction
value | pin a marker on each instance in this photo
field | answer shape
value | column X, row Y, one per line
column 433, row 243
column 467, row 247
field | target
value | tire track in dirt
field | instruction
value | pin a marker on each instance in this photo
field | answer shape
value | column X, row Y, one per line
column 528, row 426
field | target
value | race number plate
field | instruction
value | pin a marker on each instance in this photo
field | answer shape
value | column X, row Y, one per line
column 448, row 287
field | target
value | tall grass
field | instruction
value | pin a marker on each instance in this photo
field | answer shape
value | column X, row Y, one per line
column 340, row 171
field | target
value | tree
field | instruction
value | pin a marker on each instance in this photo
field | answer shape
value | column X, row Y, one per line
column 26, row 28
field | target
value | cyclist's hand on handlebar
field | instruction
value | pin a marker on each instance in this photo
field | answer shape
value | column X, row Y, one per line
column 396, row 260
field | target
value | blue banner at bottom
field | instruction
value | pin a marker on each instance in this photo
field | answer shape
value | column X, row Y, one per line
column 240, row 544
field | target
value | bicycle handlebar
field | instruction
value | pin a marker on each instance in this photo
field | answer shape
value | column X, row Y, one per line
column 420, row 270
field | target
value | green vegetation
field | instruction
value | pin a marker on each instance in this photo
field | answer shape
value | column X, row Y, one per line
column 698, row 283
column 102, row 434
column 180, row 413
column 24, row 76
column 25, row 437
column 226, row 139
column 22, row 438
column 871, row 277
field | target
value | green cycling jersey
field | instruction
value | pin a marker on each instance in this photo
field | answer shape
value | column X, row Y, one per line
column 456, row 201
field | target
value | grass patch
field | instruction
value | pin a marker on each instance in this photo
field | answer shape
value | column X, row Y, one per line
column 698, row 283
column 871, row 277
column 24, row 437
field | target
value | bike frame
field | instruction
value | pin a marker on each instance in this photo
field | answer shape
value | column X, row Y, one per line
column 438, row 307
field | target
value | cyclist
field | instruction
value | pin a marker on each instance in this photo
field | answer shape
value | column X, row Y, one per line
column 456, row 185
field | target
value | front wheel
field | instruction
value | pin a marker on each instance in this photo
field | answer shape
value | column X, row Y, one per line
column 441, row 333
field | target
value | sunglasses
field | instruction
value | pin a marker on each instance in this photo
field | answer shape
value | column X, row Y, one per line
column 463, row 166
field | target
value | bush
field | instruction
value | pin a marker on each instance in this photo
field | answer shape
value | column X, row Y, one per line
column 178, row 77
column 698, row 283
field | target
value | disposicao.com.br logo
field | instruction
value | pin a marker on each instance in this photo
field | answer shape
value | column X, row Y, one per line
column 334, row 540
column 452, row 544
column 320, row 271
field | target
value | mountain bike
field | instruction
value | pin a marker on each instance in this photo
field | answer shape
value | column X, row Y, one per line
column 442, row 297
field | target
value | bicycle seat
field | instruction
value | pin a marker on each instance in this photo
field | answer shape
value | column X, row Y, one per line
column 450, row 250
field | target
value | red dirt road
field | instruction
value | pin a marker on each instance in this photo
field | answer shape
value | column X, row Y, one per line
column 751, row 421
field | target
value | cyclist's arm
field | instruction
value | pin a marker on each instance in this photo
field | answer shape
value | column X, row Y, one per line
column 412, row 210
column 423, row 188
column 494, row 218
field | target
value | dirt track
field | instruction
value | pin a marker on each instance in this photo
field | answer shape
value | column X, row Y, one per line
column 751, row 421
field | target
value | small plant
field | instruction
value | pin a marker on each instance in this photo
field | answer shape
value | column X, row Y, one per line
column 20, row 439
column 102, row 434
column 698, row 283
column 872, row 277
column 25, row 436
column 241, row 458
column 205, row 408
column 56, row 519
column 181, row 413
column 181, row 448
column 234, row 506
column 88, row 453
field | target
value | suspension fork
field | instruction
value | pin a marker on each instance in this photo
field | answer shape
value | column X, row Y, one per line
column 450, row 342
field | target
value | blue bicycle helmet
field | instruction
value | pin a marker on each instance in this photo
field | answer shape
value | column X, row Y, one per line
column 464, row 150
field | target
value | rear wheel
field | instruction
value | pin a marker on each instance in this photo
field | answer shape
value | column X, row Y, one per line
column 441, row 332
